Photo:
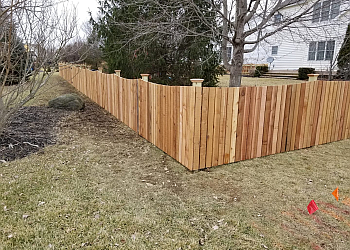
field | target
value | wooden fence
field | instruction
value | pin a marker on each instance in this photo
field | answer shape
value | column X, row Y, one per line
column 205, row 127
column 249, row 69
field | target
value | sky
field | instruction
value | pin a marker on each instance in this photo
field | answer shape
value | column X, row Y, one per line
column 82, row 8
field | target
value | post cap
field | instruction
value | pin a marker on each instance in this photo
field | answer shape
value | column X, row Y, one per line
column 197, row 80
column 145, row 77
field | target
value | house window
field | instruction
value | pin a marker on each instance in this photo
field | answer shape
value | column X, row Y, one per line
column 335, row 9
column 322, row 50
column 329, row 50
column 326, row 7
column 326, row 10
column 274, row 50
column 277, row 18
column 312, row 51
column 316, row 13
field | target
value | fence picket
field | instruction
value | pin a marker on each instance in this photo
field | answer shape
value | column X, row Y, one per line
column 205, row 127
column 222, row 129
column 234, row 124
column 281, row 118
column 240, row 120
column 229, row 118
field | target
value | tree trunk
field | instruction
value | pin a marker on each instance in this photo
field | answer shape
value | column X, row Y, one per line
column 236, row 66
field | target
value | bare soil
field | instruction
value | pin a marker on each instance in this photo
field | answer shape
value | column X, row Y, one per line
column 28, row 131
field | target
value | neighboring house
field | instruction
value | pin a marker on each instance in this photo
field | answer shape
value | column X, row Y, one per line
column 316, row 46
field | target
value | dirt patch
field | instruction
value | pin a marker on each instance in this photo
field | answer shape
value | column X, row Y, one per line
column 119, row 145
column 98, row 123
column 28, row 131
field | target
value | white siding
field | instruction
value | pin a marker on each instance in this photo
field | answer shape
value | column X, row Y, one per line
column 293, row 47
column 291, row 54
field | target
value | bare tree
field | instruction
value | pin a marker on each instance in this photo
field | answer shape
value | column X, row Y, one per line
column 32, row 35
column 84, row 50
column 241, row 24
column 333, row 64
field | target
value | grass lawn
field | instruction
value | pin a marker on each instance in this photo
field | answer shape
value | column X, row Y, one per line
column 104, row 187
column 256, row 81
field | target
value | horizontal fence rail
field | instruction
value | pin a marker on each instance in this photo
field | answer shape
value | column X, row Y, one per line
column 205, row 127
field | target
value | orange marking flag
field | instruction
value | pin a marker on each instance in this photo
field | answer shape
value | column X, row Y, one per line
column 336, row 194
column 312, row 207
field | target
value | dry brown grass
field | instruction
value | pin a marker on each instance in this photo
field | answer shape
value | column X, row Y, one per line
column 104, row 187
column 256, row 81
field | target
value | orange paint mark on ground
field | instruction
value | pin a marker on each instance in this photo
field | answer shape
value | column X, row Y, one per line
column 287, row 213
column 336, row 216
column 316, row 247
column 346, row 201
column 303, row 212
column 300, row 236
column 314, row 223
column 329, row 205
column 302, row 219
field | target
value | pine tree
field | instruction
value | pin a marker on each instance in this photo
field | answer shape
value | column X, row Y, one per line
column 344, row 57
column 12, row 65
column 171, row 58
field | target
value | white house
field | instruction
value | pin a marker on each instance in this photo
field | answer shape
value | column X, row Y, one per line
column 315, row 46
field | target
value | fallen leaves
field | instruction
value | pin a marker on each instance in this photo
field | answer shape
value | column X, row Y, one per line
column 41, row 203
column 133, row 237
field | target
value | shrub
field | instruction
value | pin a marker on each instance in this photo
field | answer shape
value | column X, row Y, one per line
column 260, row 70
column 94, row 67
column 303, row 72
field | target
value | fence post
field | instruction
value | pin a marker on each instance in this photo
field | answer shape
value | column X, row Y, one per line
column 145, row 77
column 117, row 72
column 197, row 82
column 312, row 77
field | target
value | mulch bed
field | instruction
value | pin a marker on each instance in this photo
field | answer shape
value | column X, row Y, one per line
column 28, row 131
